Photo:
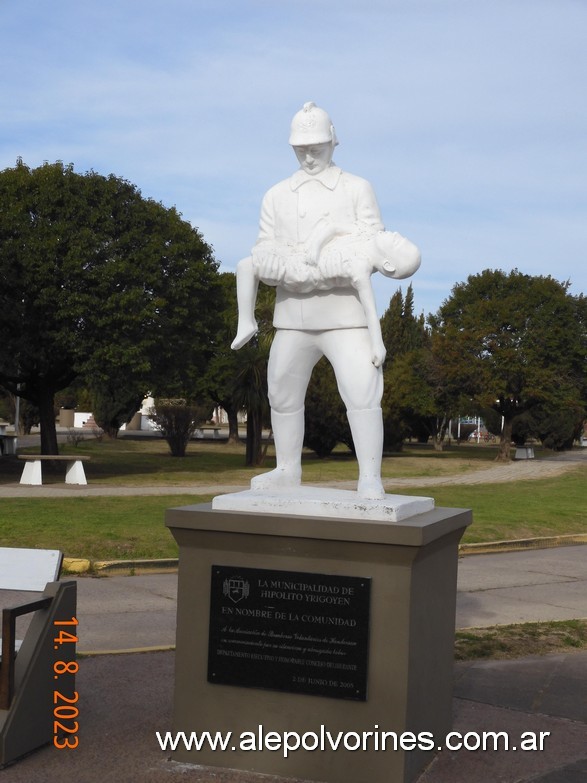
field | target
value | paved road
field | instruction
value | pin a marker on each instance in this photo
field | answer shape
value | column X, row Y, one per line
column 136, row 612
column 525, row 586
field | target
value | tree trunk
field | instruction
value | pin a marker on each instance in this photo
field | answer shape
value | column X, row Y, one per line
column 503, row 454
column 232, row 414
column 110, row 430
column 47, row 422
column 438, row 442
column 254, row 453
column 439, row 435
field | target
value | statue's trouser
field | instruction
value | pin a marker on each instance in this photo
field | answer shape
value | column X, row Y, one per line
column 288, row 436
column 367, row 431
column 293, row 356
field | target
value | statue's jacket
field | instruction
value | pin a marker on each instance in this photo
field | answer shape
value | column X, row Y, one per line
column 289, row 212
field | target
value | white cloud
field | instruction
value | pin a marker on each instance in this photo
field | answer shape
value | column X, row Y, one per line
column 468, row 118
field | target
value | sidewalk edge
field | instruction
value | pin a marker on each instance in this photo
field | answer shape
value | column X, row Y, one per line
column 78, row 565
column 514, row 545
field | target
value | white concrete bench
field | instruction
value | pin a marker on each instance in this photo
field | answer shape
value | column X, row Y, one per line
column 27, row 673
column 202, row 432
column 524, row 452
column 74, row 469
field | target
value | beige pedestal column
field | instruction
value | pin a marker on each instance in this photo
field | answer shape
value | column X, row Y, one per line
column 412, row 568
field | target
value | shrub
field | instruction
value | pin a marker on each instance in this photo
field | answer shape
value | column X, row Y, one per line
column 178, row 421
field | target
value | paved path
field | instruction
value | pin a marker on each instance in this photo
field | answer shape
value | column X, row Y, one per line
column 125, row 699
column 518, row 470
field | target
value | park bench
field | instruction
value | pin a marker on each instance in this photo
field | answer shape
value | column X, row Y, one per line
column 524, row 452
column 40, row 667
column 210, row 431
column 74, row 469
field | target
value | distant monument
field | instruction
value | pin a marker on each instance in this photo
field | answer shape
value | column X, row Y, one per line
column 321, row 237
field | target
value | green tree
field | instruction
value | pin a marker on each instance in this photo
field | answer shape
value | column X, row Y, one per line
column 412, row 405
column 100, row 283
column 114, row 400
column 401, row 330
column 556, row 429
column 415, row 397
column 511, row 343
column 251, row 378
column 251, row 395
column 326, row 422
column 219, row 382
column 7, row 412
column 237, row 380
column 178, row 421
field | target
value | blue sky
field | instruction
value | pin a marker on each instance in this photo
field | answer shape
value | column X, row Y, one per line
column 469, row 118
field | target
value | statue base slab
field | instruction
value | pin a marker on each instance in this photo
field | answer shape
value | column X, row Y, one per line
column 411, row 567
column 324, row 502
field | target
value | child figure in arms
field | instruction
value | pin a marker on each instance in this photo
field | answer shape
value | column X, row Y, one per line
column 332, row 257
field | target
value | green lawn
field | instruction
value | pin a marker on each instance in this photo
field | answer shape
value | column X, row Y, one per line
column 522, row 509
column 146, row 461
column 98, row 528
column 133, row 527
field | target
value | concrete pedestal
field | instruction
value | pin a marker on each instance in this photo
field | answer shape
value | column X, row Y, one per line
column 412, row 567
column 524, row 452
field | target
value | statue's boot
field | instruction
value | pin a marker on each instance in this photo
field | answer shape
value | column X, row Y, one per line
column 288, row 435
column 367, row 431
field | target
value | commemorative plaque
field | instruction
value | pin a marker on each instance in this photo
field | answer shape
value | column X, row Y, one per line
column 289, row 631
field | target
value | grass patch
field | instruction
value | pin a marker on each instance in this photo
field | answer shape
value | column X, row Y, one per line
column 520, row 509
column 144, row 462
column 98, row 528
column 147, row 462
column 132, row 527
column 517, row 641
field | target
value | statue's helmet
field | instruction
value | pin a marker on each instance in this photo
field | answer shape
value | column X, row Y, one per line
column 311, row 125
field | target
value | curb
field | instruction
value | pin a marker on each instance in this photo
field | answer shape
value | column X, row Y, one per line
column 127, row 651
column 135, row 567
column 77, row 565
column 73, row 565
column 515, row 545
